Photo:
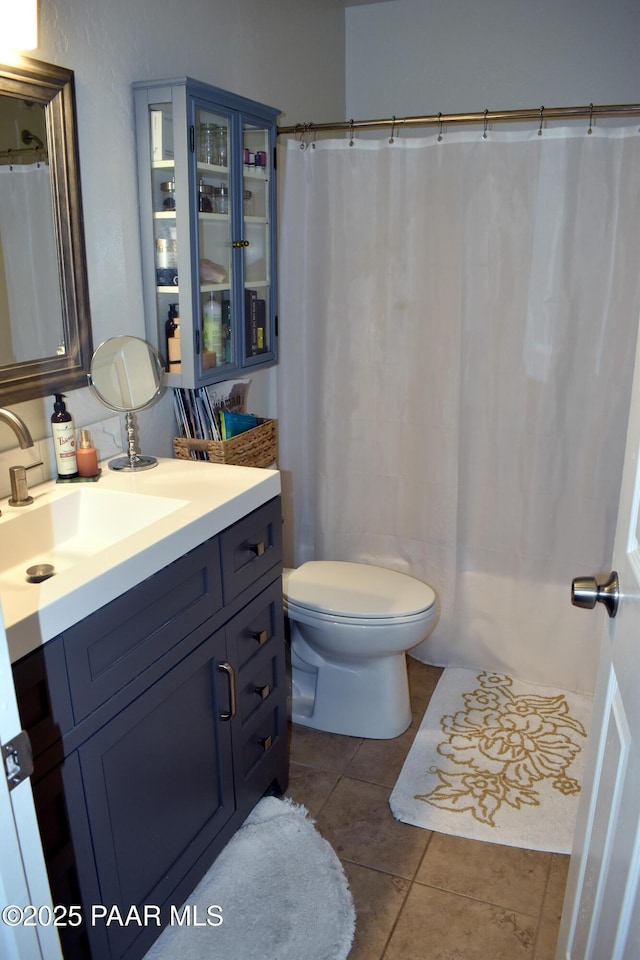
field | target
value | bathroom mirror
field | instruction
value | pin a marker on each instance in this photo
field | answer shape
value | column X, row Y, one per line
column 126, row 375
column 45, row 327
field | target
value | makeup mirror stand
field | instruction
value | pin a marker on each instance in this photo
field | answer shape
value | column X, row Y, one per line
column 133, row 460
column 126, row 376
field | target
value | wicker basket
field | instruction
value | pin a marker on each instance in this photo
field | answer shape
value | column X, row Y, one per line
column 253, row 448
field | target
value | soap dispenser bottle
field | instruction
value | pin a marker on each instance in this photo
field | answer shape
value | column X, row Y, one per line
column 87, row 456
column 64, row 440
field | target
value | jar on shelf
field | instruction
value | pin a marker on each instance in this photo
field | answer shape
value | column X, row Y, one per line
column 221, row 199
column 205, row 198
column 207, row 142
column 169, row 190
column 166, row 262
column 221, row 146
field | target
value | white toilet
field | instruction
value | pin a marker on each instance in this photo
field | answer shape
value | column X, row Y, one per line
column 351, row 625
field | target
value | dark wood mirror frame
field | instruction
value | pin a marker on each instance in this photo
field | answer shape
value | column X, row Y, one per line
column 53, row 87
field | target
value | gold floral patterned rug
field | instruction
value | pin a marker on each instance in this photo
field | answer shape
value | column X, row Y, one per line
column 496, row 759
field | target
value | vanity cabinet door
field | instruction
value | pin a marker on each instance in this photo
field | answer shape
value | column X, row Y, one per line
column 158, row 782
column 58, row 801
column 44, row 699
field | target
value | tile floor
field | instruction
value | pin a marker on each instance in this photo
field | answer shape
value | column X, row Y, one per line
column 421, row 895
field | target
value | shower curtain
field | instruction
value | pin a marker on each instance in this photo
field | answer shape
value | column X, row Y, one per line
column 28, row 250
column 457, row 327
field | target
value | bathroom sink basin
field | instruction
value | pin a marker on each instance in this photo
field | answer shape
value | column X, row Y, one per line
column 71, row 528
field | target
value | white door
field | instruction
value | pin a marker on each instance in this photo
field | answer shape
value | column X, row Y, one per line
column 23, row 877
column 601, row 917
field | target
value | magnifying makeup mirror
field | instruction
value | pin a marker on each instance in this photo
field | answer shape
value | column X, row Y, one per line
column 126, row 376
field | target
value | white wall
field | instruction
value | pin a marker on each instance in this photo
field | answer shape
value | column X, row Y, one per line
column 402, row 57
column 289, row 54
column 417, row 57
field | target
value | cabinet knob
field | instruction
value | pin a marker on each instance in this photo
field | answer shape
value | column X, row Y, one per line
column 265, row 742
column 240, row 243
column 261, row 636
column 258, row 548
column 263, row 692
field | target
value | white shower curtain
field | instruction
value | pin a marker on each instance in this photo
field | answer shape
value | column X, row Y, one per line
column 28, row 250
column 457, row 323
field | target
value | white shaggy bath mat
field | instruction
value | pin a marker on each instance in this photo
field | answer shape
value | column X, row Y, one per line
column 279, row 890
column 496, row 759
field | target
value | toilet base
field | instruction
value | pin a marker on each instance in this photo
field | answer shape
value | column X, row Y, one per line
column 371, row 701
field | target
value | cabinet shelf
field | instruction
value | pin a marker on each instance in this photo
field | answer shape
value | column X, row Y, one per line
column 249, row 174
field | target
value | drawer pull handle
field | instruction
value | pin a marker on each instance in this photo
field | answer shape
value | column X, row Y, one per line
column 258, row 548
column 228, row 669
column 261, row 636
column 263, row 692
column 265, row 742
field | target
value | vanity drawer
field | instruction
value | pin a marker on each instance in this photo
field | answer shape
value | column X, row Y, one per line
column 121, row 640
column 252, row 632
column 251, row 547
column 258, row 685
column 263, row 739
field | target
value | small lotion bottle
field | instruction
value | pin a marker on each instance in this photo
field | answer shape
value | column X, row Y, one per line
column 87, row 456
column 64, row 440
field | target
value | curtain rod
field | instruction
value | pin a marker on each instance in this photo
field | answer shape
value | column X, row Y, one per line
column 539, row 114
column 24, row 155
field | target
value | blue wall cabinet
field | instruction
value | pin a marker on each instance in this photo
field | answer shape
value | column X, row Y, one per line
column 207, row 192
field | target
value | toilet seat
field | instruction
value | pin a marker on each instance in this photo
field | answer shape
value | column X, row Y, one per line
column 308, row 615
column 334, row 589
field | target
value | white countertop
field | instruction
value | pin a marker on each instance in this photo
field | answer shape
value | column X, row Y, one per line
column 214, row 495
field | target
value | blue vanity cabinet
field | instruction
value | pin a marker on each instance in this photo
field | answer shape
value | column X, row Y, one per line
column 153, row 743
column 207, row 191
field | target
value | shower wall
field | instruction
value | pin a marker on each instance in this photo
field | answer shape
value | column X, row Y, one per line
column 408, row 57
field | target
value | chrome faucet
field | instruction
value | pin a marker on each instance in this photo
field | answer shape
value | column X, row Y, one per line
column 18, row 426
column 18, row 475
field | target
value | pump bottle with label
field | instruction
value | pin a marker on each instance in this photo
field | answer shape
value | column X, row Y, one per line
column 64, row 440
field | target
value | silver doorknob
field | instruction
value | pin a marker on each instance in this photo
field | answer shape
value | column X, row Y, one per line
column 586, row 592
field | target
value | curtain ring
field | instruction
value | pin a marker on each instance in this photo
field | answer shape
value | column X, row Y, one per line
column 351, row 129
column 590, row 130
column 440, row 127
column 300, row 132
column 541, row 121
column 486, row 124
column 393, row 123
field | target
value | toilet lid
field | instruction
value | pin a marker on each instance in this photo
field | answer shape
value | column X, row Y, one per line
column 356, row 590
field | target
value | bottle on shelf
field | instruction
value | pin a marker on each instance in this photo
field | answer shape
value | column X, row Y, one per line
column 212, row 333
column 87, row 456
column 173, row 339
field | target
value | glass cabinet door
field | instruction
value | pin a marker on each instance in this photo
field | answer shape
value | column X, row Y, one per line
column 256, row 213
column 215, row 262
column 165, row 230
